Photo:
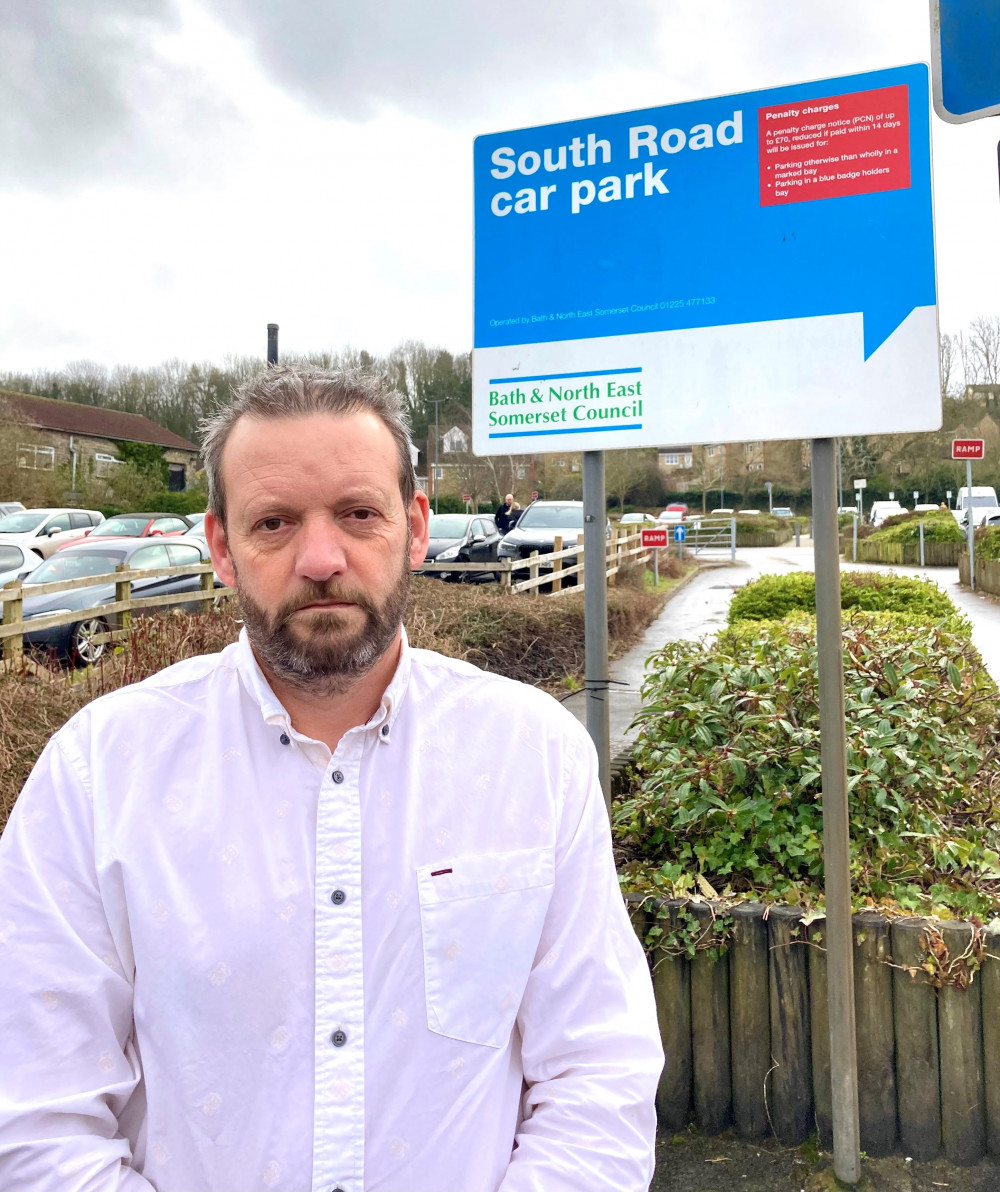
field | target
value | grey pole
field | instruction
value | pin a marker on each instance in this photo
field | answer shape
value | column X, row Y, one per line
column 854, row 556
column 595, row 614
column 732, row 540
column 971, row 526
column 272, row 344
column 921, row 542
column 840, row 478
column 437, row 406
column 836, row 826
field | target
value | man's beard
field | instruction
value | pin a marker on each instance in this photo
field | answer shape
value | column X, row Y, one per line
column 319, row 655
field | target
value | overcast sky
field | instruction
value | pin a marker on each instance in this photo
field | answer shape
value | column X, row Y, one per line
column 176, row 173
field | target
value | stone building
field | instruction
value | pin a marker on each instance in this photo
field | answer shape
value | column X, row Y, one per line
column 54, row 433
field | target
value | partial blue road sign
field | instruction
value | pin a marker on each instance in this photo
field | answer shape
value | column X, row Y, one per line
column 680, row 533
column 965, row 36
column 754, row 266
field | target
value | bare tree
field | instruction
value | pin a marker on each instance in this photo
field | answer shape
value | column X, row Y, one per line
column 984, row 349
column 626, row 470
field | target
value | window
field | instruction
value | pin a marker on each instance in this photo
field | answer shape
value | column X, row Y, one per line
column 176, row 478
column 80, row 521
column 575, row 467
column 39, row 459
column 439, row 473
column 168, row 525
column 149, row 556
column 688, row 460
column 709, row 451
column 521, row 473
column 181, row 554
column 670, row 460
column 59, row 522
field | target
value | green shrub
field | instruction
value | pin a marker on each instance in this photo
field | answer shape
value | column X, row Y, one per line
column 987, row 542
column 938, row 527
column 727, row 792
column 773, row 597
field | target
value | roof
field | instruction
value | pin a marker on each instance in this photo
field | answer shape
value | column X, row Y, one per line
column 48, row 413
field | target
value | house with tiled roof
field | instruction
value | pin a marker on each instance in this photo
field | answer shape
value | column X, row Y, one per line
column 87, row 437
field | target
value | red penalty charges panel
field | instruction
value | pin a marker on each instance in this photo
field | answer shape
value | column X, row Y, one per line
column 968, row 449
column 854, row 144
column 652, row 538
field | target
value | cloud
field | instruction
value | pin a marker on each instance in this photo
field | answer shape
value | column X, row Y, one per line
column 86, row 91
column 446, row 59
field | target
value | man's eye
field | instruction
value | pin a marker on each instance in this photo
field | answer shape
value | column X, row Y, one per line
column 363, row 514
column 271, row 523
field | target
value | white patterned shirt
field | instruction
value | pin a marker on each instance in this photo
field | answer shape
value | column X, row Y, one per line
column 231, row 961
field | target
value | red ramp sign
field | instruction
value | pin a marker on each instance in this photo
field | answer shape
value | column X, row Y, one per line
column 968, row 449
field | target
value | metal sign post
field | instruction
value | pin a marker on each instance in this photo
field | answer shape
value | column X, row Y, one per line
column 272, row 344
column 966, row 68
column 595, row 615
column 836, row 828
column 969, row 449
column 859, row 489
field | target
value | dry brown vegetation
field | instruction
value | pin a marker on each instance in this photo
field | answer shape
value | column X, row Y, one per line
column 538, row 641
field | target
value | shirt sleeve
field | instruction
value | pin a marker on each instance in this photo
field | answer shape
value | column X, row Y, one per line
column 591, row 1049
column 68, row 1064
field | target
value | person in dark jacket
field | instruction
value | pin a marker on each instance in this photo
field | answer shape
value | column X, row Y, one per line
column 503, row 514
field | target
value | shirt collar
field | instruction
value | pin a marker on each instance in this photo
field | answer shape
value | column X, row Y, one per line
column 274, row 712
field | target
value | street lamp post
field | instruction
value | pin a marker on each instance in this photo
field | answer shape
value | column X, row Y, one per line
column 770, row 498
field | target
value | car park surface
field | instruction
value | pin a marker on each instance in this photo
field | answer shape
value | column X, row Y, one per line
column 45, row 530
column 73, row 641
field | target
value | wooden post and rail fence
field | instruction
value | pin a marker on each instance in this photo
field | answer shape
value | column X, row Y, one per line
column 542, row 569
column 116, row 613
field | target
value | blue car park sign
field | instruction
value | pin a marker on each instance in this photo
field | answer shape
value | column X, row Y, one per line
column 965, row 41
column 753, row 266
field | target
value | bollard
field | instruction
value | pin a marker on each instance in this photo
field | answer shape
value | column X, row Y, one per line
column 797, row 529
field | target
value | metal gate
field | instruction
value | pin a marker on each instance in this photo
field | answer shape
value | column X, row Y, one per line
column 703, row 534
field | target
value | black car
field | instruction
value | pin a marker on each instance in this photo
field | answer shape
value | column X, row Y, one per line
column 462, row 538
column 73, row 641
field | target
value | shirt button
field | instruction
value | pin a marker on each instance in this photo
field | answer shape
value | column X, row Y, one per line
column 337, row 776
column 338, row 897
column 285, row 739
column 385, row 730
column 338, row 1038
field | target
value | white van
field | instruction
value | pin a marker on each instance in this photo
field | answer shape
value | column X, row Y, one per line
column 880, row 510
column 984, row 504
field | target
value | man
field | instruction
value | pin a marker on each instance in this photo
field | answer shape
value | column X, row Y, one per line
column 503, row 514
column 284, row 918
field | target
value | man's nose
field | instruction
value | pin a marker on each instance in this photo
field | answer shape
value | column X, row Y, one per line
column 320, row 550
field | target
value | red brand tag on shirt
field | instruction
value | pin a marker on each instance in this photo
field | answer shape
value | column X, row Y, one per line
column 829, row 148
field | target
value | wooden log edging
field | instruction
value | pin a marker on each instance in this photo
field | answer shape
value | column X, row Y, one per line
column 746, row 1037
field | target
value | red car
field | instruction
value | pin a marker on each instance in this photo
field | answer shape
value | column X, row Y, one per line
column 135, row 525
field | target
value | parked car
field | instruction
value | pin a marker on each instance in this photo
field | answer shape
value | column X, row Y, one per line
column 782, row 511
column 16, row 562
column 45, row 530
column 926, row 508
column 10, row 507
column 73, row 642
column 134, row 525
column 880, row 510
column 539, row 526
column 748, row 513
column 462, row 538
column 721, row 512
column 637, row 519
column 673, row 513
column 847, row 509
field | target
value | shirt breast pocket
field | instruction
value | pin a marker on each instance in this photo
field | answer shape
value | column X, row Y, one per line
column 481, row 919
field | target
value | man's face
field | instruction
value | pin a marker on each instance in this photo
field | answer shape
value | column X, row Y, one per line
column 318, row 543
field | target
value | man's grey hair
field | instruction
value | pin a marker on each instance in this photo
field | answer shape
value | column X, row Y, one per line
column 297, row 390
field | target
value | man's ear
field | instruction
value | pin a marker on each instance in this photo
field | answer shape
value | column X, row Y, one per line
column 219, row 549
column 419, row 514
